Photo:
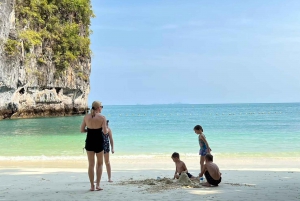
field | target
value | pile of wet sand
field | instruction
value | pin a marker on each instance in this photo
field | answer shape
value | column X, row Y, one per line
column 155, row 185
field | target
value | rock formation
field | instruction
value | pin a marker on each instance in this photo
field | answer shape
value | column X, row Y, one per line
column 32, row 81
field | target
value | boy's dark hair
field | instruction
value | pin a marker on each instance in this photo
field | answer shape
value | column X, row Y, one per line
column 209, row 157
column 198, row 127
column 175, row 155
column 107, row 121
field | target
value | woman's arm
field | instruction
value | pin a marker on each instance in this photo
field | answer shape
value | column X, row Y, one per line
column 111, row 140
column 82, row 127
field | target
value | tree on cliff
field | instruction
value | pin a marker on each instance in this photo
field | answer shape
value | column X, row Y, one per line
column 58, row 28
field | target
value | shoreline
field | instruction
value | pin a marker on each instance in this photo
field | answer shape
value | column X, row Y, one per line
column 41, row 116
column 163, row 163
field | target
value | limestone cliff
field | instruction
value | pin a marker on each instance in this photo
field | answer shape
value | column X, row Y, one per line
column 41, row 71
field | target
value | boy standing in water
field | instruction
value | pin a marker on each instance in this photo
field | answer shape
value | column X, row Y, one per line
column 180, row 167
column 211, row 172
column 204, row 147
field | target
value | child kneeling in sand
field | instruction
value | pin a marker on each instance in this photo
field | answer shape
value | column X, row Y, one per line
column 180, row 167
column 211, row 172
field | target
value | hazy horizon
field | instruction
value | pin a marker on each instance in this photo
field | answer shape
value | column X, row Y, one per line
column 194, row 104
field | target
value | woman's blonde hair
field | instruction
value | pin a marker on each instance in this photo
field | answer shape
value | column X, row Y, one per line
column 95, row 106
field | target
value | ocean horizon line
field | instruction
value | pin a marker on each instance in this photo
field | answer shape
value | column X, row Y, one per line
column 244, row 103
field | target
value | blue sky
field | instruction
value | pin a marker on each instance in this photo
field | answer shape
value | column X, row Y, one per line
column 194, row 51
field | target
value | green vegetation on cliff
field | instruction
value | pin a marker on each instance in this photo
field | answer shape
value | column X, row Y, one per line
column 58, row 28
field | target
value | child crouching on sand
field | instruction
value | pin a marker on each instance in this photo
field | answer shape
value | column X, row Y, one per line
column 180, row 167
column 211, row 172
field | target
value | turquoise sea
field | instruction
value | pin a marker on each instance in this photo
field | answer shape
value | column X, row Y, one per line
column 270, row 130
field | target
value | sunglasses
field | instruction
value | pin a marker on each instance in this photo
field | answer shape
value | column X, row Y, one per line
column 101, row 106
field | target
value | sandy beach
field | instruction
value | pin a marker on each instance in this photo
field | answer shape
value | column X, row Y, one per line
column 136, row 179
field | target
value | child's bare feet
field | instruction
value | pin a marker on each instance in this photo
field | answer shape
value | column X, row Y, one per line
column 98, row 188
column 206, row 184
column 109, row 180
column 92, row 188
column 193, row 178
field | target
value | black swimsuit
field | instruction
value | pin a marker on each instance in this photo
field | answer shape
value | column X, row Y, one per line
column 94, row 140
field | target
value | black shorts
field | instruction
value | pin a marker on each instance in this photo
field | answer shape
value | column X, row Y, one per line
column 94, row 140
column 94, row 149
column 210, row 180
column 188, row 174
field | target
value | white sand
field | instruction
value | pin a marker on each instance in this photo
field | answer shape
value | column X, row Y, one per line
column 251, row 179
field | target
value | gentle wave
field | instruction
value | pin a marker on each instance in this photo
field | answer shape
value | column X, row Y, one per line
column 40, row 158
column 68, row 158
column 145, row 156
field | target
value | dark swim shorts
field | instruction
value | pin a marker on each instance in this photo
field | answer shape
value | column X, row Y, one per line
column 94, row 140
column 210, row 180
column 188, row 174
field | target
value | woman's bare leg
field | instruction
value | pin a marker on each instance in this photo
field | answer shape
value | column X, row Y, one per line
column 91, row 159
column 96, row 171
column 108, row 167
column 99, row 169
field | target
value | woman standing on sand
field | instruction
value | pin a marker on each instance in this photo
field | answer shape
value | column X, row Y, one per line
column 94, row 124
column 204, row 147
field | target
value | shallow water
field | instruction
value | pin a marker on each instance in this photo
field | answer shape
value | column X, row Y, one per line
column 270, row 130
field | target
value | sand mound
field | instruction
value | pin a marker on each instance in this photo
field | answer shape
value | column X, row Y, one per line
column 154, row 185
column 184, row 179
